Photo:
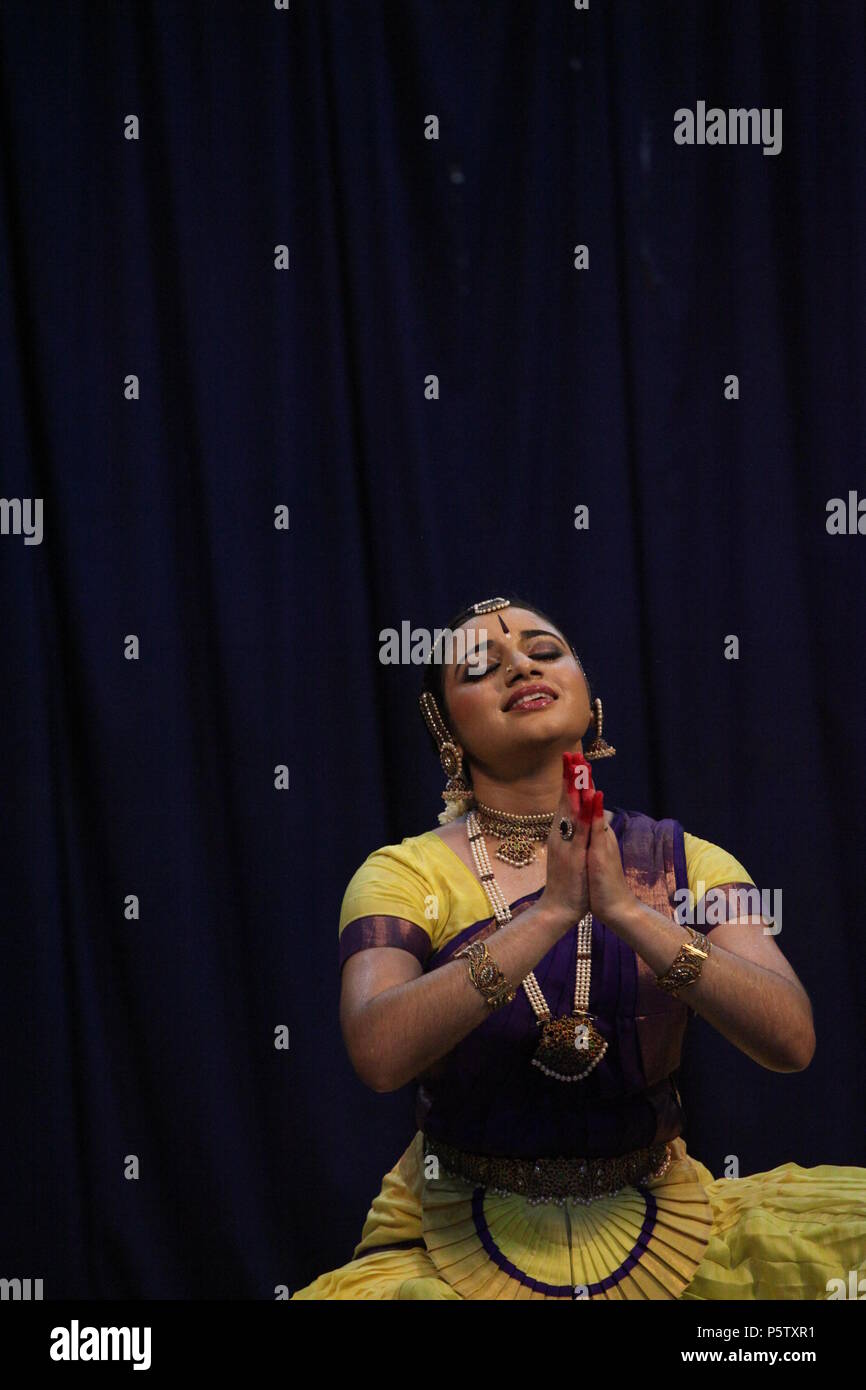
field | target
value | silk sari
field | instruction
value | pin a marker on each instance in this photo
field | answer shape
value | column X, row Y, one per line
column 791, row 1232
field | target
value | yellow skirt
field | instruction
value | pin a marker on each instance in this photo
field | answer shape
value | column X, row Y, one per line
column 791, row 1233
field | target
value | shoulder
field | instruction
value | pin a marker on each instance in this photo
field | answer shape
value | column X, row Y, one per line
column 707, row 864
column 391, row 900
column 401, row 879
column 415, row 852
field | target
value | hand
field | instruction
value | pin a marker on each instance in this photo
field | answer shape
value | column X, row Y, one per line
column 609, row 894
column 566, row 891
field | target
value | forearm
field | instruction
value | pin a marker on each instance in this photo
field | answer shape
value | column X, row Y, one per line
column 406, row 1028
column 764, row 1015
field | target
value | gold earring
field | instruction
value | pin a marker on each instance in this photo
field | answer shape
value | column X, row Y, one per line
column 599, row 748
column 457, row 789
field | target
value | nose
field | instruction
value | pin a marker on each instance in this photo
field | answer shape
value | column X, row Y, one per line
column 520, row 664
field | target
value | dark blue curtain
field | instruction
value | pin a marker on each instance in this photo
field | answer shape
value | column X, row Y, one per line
column 304, row 387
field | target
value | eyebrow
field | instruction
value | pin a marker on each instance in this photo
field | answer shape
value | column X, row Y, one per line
column 527, row 632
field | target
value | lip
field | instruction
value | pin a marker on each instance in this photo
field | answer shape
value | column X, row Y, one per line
column 535, row 689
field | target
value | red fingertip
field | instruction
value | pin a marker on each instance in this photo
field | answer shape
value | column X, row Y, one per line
column 598, row 804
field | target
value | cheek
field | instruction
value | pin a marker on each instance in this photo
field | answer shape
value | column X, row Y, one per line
column 577, row 696
column 470, row 710
column 462, row 702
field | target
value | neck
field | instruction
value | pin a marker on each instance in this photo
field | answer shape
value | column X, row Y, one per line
column 527, row 794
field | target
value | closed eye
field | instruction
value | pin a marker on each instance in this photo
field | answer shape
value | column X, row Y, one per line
column 540, row 656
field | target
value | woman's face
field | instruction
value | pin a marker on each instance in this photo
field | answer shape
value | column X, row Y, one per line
column 496, row 729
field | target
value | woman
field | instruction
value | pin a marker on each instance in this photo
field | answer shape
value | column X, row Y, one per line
column 528, row 963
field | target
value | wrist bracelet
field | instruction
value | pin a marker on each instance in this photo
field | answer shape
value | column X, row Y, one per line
column 486, row 976
column 688, row 964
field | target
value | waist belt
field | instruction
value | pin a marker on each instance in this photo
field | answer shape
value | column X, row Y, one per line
column 553, row 1179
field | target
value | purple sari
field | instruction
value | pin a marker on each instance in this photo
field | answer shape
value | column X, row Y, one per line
column 487, row 1098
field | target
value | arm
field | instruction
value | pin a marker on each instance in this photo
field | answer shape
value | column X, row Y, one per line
column 397, row 1021
column 747, row 989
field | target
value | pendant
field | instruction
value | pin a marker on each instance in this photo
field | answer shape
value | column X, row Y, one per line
column 516, row 850
column 569, row 1047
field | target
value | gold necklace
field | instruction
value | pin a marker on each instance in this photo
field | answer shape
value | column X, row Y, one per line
column 570, row 1046
column 515, row 832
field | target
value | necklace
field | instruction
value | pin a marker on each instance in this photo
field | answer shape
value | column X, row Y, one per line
column 516, row 832
column 570, row 1046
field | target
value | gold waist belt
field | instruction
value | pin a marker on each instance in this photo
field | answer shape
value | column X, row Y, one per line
column 553, row 1179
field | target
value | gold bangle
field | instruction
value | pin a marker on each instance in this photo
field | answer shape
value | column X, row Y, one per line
column 486, row 976
column 687, row 965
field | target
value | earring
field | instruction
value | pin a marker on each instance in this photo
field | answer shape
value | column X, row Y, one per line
column 457, row 790
column 599, row 748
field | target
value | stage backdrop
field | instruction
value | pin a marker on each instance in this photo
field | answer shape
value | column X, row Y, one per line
column 244, row 268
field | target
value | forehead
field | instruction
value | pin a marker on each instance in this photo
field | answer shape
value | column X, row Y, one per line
column 488, row 627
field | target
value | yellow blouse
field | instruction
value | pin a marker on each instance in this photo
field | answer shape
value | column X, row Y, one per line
column 422, row 880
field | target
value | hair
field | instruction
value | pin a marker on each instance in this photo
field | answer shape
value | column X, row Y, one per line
column 434, row 671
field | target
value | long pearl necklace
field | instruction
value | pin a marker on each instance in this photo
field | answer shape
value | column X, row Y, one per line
column 570, row 1046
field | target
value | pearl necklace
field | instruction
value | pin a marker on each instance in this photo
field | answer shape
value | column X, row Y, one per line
column 570, row 1047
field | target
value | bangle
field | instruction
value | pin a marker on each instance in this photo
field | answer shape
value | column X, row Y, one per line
column 486, row 976
column 687, row 965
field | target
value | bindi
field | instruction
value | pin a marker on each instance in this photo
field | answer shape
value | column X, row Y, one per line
column 502, row 623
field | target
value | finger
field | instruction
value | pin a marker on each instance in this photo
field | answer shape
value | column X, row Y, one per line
column 579, row 777
column 570, row 763
column 597, row 819
column 587, row 790
column 573, row 800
